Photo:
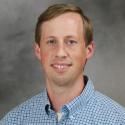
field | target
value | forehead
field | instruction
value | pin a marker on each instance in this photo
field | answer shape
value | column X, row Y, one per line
column 68, row 22
column 68, row 16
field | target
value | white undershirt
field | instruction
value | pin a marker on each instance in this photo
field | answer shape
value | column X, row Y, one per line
column 59, row 115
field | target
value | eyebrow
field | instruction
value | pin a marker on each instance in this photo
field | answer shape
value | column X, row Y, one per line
column 66, row 37
column 70, row 36
column 49, row 37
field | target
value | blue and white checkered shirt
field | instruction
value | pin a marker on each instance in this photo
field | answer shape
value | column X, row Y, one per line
column 89, row 108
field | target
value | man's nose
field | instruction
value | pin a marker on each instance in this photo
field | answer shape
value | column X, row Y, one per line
column 61, row 51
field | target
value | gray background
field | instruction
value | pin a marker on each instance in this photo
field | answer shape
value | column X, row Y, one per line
column 20, row 72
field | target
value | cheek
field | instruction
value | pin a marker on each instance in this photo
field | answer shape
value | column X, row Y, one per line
column 80, row 60
column 44, row 61
column 44, row 58
column 80, row 56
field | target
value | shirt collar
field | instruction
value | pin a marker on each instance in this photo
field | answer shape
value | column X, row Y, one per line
column 46, row 101
column 81, row 100
column 77, row 102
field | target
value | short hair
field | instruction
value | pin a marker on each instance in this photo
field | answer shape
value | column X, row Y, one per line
column 59, row 9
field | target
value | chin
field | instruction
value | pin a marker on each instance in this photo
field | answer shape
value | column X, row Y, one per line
column 62, row 80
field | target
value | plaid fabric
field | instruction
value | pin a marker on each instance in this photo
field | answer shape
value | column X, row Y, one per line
column 89, row 108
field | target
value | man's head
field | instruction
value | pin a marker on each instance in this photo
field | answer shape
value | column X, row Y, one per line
column 59, row 9
column 63, row 43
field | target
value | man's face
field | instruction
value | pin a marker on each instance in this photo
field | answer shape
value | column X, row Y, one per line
column 62, row 49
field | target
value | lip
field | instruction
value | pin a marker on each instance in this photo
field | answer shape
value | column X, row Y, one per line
column 61, row 67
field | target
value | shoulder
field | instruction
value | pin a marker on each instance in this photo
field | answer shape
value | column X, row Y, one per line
column 24, row 110
column 108, row 108
column 107, row 102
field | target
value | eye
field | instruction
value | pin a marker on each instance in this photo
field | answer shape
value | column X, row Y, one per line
column 52, row 41
column 71, row 42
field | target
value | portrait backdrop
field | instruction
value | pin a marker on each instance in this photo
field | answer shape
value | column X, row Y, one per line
column 21, row 76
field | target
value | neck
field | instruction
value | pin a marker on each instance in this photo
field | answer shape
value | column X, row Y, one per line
column 60, row 95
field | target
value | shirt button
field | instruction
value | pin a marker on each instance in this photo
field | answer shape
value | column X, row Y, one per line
column 71, row 117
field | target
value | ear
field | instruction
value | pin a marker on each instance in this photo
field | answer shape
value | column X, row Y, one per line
column 90, row 50
column 37, row 51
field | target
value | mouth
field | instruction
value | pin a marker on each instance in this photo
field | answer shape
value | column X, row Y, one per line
column 62, row 67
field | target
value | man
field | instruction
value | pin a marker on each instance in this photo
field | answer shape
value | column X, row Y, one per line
column 64, row 43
